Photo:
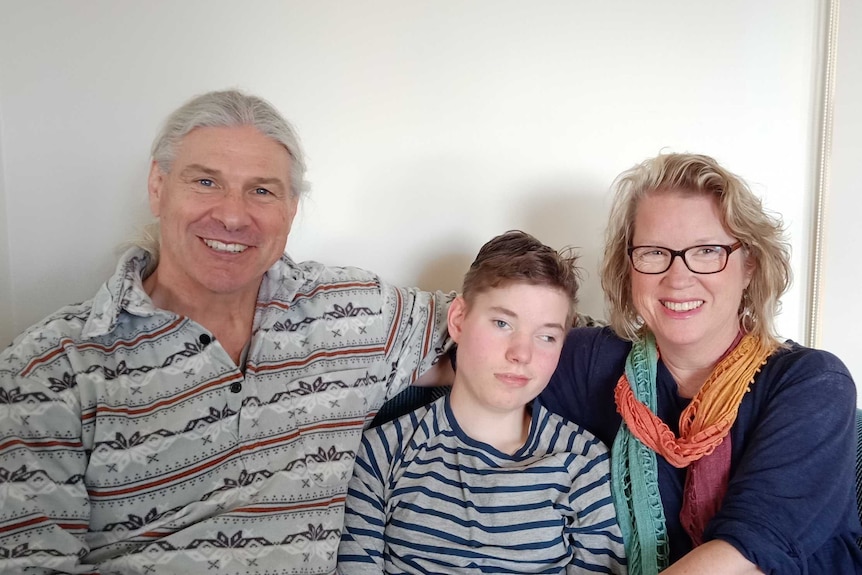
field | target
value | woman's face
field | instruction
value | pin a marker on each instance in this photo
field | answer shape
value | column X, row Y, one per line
column 688, row 312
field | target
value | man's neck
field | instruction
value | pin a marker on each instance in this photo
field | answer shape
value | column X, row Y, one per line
column 228, row 317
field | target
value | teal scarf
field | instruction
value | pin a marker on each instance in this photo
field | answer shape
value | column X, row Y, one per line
column 634, row 474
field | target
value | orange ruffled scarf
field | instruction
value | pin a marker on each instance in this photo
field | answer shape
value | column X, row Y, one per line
column 703, row 446
column 709, row 416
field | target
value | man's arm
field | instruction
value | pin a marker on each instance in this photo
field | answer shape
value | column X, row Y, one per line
column 420, row 337
column 441, row 373
column 44, row 502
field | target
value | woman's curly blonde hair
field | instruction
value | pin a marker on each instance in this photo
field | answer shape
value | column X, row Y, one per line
column 742, row 214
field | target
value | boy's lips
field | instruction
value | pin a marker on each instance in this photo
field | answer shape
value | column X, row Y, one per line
column 512, row 379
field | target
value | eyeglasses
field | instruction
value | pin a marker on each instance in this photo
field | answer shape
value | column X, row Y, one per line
column 703, row 259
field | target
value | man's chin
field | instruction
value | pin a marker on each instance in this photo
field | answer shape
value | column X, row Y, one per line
column 230, row 281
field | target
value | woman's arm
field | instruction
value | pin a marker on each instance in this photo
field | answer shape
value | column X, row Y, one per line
column 792, row 490
column 714, row 557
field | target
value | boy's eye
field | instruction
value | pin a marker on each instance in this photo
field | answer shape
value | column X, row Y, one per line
column 501, row 324
column 548, row 338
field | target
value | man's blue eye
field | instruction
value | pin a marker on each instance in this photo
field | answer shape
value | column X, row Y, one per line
column 206, row 182
column 261, row 191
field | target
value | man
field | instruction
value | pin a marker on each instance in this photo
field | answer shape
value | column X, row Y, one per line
column 483, row 481
column 202, row 411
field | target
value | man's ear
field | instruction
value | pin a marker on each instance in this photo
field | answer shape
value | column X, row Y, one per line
column 457, row 312
column 155, row 187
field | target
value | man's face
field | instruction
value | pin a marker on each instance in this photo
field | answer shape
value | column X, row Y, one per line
column 225, row 209
column 509, row 342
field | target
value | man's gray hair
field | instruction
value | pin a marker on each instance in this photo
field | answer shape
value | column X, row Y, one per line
column 227, row 109
column 221, row 109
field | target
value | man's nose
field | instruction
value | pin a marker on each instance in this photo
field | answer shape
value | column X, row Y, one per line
column 232, row 210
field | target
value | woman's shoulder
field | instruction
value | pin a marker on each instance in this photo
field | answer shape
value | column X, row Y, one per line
column 581, row 389
column 799, row 361
column 808, row 356
column 595, row 341
column 808, row 373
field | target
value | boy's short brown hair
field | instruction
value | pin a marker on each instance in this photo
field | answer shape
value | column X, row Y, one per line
column 518, row 257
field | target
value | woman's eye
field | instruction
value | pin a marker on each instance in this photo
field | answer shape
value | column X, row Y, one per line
column 709, row 250
column 548, row 338
column 501, row 324
column 650, row 254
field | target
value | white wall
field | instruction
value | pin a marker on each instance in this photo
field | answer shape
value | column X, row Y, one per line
column 7, row 329
column 430, row 126
column 842, row 271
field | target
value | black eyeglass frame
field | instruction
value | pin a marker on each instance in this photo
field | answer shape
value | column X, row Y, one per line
column 681, row 254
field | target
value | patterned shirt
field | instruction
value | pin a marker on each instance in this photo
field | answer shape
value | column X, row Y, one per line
column 426, row 498
column 131, row 443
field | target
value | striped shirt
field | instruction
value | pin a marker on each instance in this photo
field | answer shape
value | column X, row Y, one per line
column 426, row 498
column 131, row 443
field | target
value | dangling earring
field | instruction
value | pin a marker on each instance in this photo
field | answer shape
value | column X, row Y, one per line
column 747, row 321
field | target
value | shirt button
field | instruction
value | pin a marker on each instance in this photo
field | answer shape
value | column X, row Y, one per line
column 235, row 387
column 204, row 339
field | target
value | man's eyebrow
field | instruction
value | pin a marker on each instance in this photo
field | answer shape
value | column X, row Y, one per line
column 268, row 181
column 191, row 168
column 509, row 313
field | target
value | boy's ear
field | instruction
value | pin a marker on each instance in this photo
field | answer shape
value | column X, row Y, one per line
column 457, row 311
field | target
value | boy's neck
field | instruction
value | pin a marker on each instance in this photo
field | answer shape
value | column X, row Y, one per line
column 506, row 431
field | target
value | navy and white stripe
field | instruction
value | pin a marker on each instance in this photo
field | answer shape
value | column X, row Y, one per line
column 426, row 498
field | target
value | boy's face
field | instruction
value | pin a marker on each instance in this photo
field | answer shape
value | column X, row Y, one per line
column 509, row 342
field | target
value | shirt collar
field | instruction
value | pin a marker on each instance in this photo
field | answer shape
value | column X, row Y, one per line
column 124, row 290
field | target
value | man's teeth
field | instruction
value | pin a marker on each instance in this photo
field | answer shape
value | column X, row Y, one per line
column 222, row 247
column 682, row 306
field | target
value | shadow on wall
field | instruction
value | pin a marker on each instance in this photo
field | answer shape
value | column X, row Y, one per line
column 559, row 215
column 575, row 215
column 63, row 273
column 445, row 271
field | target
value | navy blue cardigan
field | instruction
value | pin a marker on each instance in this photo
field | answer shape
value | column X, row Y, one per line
column 791, row 503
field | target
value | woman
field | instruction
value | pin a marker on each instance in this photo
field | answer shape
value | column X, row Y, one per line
column 732, row 451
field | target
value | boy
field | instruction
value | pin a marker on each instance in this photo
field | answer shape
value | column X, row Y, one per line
column 478, row 481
